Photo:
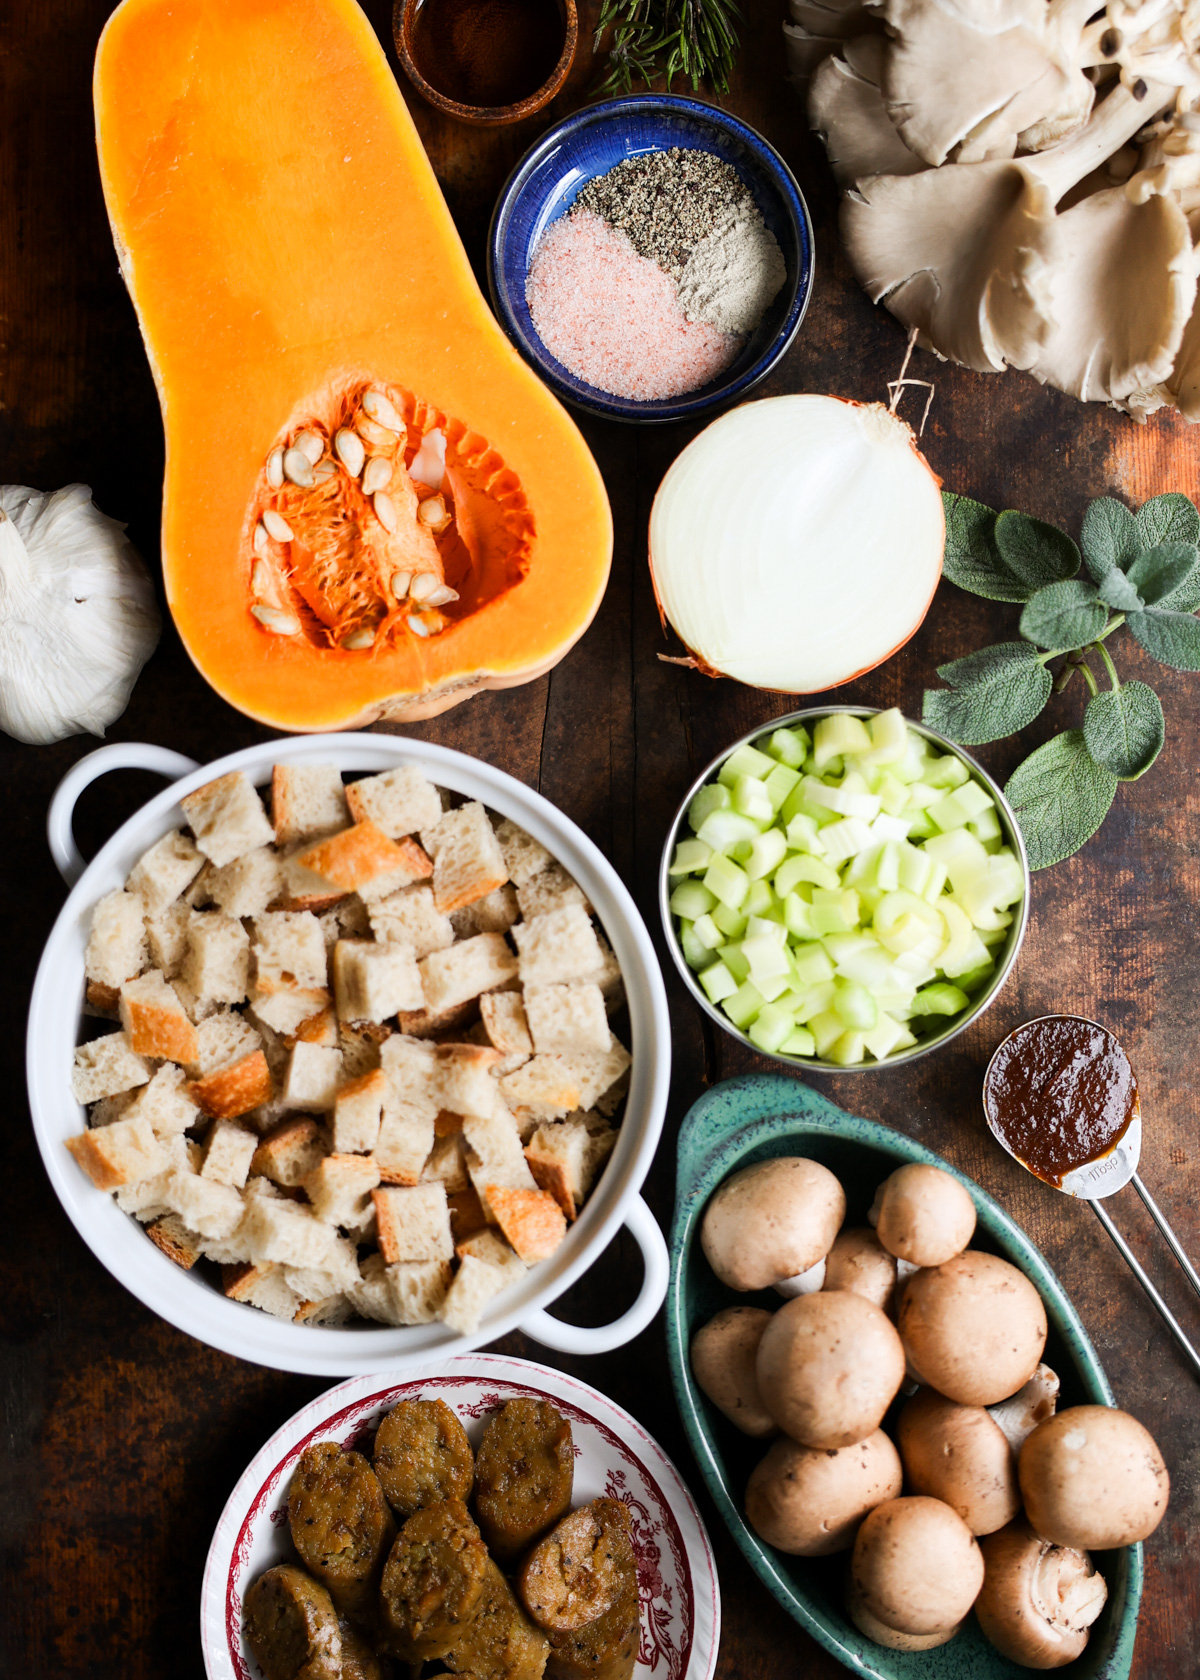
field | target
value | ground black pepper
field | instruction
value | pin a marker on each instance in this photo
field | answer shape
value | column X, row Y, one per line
column 666, row 202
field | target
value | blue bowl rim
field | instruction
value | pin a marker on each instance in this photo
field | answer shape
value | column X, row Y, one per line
column 780, row 1102
column 707, row 399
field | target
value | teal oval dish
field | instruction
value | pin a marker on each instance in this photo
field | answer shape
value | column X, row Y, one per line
column 752, row 1119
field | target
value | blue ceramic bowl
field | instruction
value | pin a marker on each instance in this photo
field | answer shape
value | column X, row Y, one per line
column 543, row 187
column 747, row 1120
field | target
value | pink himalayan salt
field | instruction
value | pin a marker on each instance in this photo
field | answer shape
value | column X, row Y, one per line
column 614, row 318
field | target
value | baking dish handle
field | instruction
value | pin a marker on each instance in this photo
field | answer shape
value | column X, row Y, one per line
column 122, row 755
column 602, row 1338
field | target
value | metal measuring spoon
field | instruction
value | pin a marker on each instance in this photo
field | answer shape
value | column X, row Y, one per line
column 1061, row 1097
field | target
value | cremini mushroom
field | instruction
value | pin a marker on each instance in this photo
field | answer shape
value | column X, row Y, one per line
column 916, row 1566
column 1038, row 1600
column 923, row 1215
column 959, row 1455
column 881, row 1634
column 973, row 1328
column 829, row 1366
column 1093, row 1477
column 810, row 1501
column 859, row 1262
column 772, row 1221
column 724, row 1352
column 1020, row 1415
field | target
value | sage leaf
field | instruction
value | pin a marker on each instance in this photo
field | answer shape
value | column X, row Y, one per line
column 1124, row 730
column 1108, row 537
column 1035, row 552
column 1064, row 615
column 1060, row 796
column 972, row 560
column 1169, row 518
column 992, row 693
column 1173, row 638
column 1115, row 590
column 1185, row 597
column 1161, row 570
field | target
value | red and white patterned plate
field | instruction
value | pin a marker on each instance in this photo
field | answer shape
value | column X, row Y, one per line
column 614, row 1457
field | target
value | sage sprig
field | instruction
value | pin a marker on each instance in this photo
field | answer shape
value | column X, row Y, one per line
column 1143, row 572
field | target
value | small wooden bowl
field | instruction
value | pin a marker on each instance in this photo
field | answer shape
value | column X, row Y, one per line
column 484, row 116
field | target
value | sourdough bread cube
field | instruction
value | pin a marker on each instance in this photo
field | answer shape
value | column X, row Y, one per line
column 494, row 1158
column 409, row 1064
column 546, row 1086
column 247, row 885
column 147, row 1198
column 166, row 936
column 264, row 1287
column 155, row 1021
column 565, row 1157
column 196, row 897
column 172, row 1237
column 568, row 1019
column 324, row 1029
column 418, row 1289
column 417, row 866
column 462, row 1081
column 205, row 1205
column 361, row 1043
column 105, row 1066
column 468, row 863
column 463, row 972
column 127, row 1152
column 372, row 981
column 436, row 1023
column 411, row 918
column 289, row 1010
column 357, row 1112
column 406, row 1136
column 475, row 1284
column 116, row 947
column 334, row 1310
column 359, row 855
column 166, row 1103
column 227, row 818
column 286, row 1232
column 304, row 889
column 532, row 1220
column 313, row 1079
column 228, row 1154
column 447, row 1164
column 347, row 919
column 222, row 1038
column 524, row 857
column 489, row 1246
column 399, row 801
column 466, row 1213
column 166, row 870
column 229, row 1091
column 216, row 957
column 340, row 1186
column 108, row 1109
column 550, row 889
column 560, row 945
column 290, row 1152
column 338, row 1273
column 101, row 1001
column 495, row 912
column 289, row 951
column 371, row 1296
column 506, row 1023
column 306, row 800
column 413, row 1222
column 597, row 1075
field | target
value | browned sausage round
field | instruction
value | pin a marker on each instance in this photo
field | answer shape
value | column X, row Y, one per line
column 605, row 1649
column 501, row 1643
column 292, row 1626
column 523, row 1475
column 432, row 1581
column 341, row 1524
column 422, row 1456
column 359, row 1661
column 574, row 1574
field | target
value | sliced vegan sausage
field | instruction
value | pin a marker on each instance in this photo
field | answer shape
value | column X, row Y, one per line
column 576, row 1573
column 422, row 1456
column 341, row 1524
column 607, row 1648
column 359, row 1661
column 501, row 1643
column 432, row 1581
column 524, row 1472
column 292, row 1626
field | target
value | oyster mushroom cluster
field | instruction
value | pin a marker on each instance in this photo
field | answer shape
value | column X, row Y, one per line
column 1021, row 181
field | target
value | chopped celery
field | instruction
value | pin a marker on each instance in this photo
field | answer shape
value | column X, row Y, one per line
column 771, row 1027
column 727, row 882
column 803, row 835
column 962, row 806
column 975, row 953
column 799, row 1042
column 789, row 746
column 780, row 783
column 695, row 954
column 723, row 830
column 826, row 1030
column 768, row 958
column 889, row 738
column 959, row 942
column 854, row 1005
column 921, row 825
column 939, row 999
column 718, row 982
column 848, row 1050
column 932, row 890
column 963, row 855
column 745, row 761
column 916, row 867
column 802, row 867
column 911, row 767
column 776, row 986
column 872, row 968
column 766, row 854
column 893, row 794
column 834, row 912
column 946, row 772
column 839, row 947
column 887, row 1035
column 811, row 964
column 860, row 870
column 690, row 856
column 986, row 826
column 735, row 962
column 707, row 932
column 759, row 899
column 743, row 1005
column 843, row 839
column 732, row 923
column 751, row 799
column 712, row 797
column 975, row 977
column 774, row 929
column 887, row 866
column 921, row 796
column 837, row 736
column 814, row 1000
column 797, row 917
column 691, row 899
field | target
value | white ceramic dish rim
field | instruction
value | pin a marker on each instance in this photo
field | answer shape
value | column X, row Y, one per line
column 188, row 1301
column 501, row 1368
column 923, row 1047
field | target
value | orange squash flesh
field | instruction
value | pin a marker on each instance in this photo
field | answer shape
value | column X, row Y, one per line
column 283, row 237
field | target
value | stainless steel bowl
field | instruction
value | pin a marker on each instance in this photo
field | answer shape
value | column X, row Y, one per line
column 1016, row 933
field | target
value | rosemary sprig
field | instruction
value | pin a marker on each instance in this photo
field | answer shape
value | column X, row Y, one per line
column 696, row 39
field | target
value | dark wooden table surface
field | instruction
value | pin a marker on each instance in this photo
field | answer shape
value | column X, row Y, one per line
column 122, row 1437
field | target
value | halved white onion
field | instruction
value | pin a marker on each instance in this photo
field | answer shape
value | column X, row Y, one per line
column 797, row 542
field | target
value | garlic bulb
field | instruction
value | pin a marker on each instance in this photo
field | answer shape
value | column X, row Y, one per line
column 78, row 618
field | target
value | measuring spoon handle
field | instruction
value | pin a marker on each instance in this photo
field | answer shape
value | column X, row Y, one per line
column 1164, row 1311
column 1173, row 1243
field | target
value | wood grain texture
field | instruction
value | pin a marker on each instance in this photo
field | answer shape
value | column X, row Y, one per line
column 123, row 1437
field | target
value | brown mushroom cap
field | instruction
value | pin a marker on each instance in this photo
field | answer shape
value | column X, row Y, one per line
column 925, row 1216
column 881, row 1634
column 724, row 1352
column 859, row 1262
column 959, row 1454
column 1038, row 1601
column 809, row 1501
column 916, row 1565
column 973, row 1327
column 1092, row 1477
column 771, row 1221
column 829, row 1366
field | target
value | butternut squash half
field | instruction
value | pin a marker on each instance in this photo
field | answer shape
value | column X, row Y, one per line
column 372, row 508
